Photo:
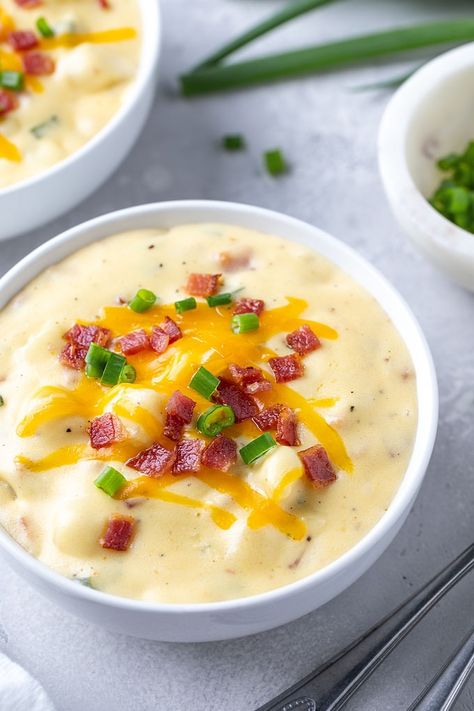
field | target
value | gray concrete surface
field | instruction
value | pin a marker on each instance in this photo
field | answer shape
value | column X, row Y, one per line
column 328, row 133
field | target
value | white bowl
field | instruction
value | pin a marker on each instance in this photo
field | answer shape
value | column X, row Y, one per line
column 236, row 618
column 427, row 118
column 30, row 203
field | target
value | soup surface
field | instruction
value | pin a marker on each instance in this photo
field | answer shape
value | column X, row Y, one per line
column 327, row 400
column 65, row 69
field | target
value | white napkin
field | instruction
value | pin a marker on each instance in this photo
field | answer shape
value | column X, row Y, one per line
column 19, row 691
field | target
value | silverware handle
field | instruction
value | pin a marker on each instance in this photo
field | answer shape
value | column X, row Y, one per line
column 331, row 685
column 442, row 692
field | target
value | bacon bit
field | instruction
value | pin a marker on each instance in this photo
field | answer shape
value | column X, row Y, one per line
column 317, row 466
column 159, row 340
column 202, row 284
column 118, row 534
column 173, row 428
column 105, row 430
column 79, row 339
column 85, row 335
column 8, row 102
column 181, row 406
column 220, row 454
column 249, row 306
column 268, row 419
column 171, row 329
column 233, row 261
column 287, row 428
column 73, row 356
column 153, row 461
column 134, row 342
column 22, row 40
column 258, row 387
column 188, row 456
column 303, row 340
column 243, row 405
column 38, row 64
column 179, row 412
column 283, row 420
column 251, row 380
column 104, row 4
column 286, row 368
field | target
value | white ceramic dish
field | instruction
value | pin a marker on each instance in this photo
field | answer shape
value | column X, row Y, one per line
column 427, row 118
column 224, row 620
column 31, row 203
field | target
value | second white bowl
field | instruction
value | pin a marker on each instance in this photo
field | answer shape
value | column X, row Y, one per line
column 29, row 204
column 427, row 118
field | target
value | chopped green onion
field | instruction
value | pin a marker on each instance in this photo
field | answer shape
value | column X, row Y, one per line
column 110, row 481
column 2, row 401
column 242, row 323
column 215, row 419
column 219, row 299
column 142, row 301
column 449, row 162
column 11, row 80
column 257, row 448
column 113, row 369
column 204, row 382
column 128, row 374
column 469, row 154
column 44, row 28
column 96, row 360
column 274, row 162
column 326, row 56
column 185, row 305
column 41, row 129
column 454, row 198
column 233, row 142
column 87, row 582
column 459, row 200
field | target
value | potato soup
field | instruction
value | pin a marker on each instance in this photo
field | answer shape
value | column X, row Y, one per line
column 198, row 414
column 65, row 69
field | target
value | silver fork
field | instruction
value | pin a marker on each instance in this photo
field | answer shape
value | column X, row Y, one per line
column 331, row 685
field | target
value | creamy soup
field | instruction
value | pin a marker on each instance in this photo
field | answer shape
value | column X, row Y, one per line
column 121, row 467
column 65, row 69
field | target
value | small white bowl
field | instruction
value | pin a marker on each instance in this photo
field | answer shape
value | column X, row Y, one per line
column 30, row 203
column 236, row 618
column 427, row 118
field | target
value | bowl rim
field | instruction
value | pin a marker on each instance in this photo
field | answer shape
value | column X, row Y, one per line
column 392, row 136
column 75, row 238
column 149, row 54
